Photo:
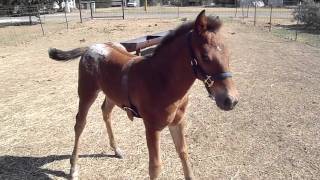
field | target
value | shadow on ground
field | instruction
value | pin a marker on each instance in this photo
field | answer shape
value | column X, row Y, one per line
column 300, row 28
column 22, row 23
column 26, row 167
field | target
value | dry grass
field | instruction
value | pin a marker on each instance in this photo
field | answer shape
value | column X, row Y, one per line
column 285, row 28
column 272, row 134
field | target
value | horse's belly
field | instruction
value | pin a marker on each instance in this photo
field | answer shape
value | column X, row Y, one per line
column 110, row 82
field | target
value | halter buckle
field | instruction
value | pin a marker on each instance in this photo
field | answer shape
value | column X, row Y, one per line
column 208, row 81
column 194, row 62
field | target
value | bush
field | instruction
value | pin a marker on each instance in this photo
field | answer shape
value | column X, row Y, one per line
column 308, row 13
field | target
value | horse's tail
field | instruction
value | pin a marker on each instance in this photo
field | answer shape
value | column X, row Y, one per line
column 60, row 55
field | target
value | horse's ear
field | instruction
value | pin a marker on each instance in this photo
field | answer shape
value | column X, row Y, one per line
column 214, row 24
column 201, row 22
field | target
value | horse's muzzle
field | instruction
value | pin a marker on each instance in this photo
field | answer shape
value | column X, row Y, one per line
column 227, row 102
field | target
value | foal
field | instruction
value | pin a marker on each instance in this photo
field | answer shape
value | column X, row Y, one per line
column 154, row 88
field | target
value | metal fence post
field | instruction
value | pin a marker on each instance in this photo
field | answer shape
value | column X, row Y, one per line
column 122, row 9
column 145, row 5
column 91, row 13
column 236, row 4
column 255, row 14
column 65, row 16
column 38, row 9
column 248, row 10
column 270, row 20
column 242, row 13
column 80, row 11
column 29, row 10
column 178, row 11
column 299, row 12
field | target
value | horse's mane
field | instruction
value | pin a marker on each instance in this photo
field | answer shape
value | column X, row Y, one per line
column 213, row 24
column 182, row 29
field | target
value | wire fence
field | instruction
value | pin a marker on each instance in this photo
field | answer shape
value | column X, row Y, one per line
column 39, row 20
column 280, row 21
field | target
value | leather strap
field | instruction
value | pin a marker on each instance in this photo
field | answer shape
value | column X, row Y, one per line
column 129, row 108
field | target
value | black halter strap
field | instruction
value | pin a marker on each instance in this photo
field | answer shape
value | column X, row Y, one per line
column 198, row 71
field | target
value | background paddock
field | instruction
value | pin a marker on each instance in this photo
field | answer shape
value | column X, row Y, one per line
column 272, row 134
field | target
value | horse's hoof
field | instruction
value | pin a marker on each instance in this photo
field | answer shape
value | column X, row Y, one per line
column 118, row 153
column 74, row 178
column 74, row 173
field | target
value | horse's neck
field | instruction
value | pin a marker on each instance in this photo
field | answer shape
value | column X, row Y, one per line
column 173, row 61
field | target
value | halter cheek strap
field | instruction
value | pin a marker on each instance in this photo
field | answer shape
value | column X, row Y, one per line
column 200, row 74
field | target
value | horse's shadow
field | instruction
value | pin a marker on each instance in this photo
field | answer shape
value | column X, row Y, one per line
column 26, row 167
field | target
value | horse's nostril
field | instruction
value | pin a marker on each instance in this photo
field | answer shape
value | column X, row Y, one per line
column 227, row 102
column 235, row 102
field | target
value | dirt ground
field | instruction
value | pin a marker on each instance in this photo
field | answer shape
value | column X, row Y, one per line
column 272, row 134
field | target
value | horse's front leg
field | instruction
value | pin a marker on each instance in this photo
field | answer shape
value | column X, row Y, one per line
column 153, row 142
column 177, row 132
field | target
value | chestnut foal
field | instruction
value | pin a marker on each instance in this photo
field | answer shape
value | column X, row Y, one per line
column 155, row 87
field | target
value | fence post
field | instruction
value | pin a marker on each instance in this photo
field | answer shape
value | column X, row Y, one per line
column 29, row 10
column 299, row 12
column 242, row 14
column 145, row 5
column 255, row 14
column 91, row 10
column 270, row 20
column 236, row 4
column 65, row 16
column 248, row 11
column 13, row 29
column 178, row 11
column 38, row 9
column 30, row 20
column 80, row 11
column 122, row 9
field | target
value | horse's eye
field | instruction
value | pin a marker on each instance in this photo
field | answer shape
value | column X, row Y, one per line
column 205, row 58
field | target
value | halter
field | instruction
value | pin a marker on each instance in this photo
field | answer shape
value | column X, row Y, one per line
column 200, row 74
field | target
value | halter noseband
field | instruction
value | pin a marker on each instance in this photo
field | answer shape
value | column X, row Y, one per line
column 208, row 80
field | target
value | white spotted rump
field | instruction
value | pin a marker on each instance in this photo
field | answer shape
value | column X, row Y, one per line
column 94, row 55
column 98, row 50
column 119, row 46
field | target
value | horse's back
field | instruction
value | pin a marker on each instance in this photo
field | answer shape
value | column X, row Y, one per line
column 109, row 60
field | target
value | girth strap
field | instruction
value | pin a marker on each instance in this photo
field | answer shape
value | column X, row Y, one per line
column 131, row 110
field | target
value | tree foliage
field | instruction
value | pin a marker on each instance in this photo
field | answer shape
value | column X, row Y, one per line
column 308, row 13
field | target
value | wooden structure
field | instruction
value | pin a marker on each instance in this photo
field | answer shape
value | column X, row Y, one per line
column 143, row 42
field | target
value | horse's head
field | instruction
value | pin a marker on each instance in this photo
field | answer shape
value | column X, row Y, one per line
column 210, row 61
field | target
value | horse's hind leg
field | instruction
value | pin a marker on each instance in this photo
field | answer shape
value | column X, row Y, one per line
column 88, row 91
column 84, row 105
column 107, row 107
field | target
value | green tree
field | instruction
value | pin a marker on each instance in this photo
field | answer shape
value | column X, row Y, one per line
column 308, row 13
